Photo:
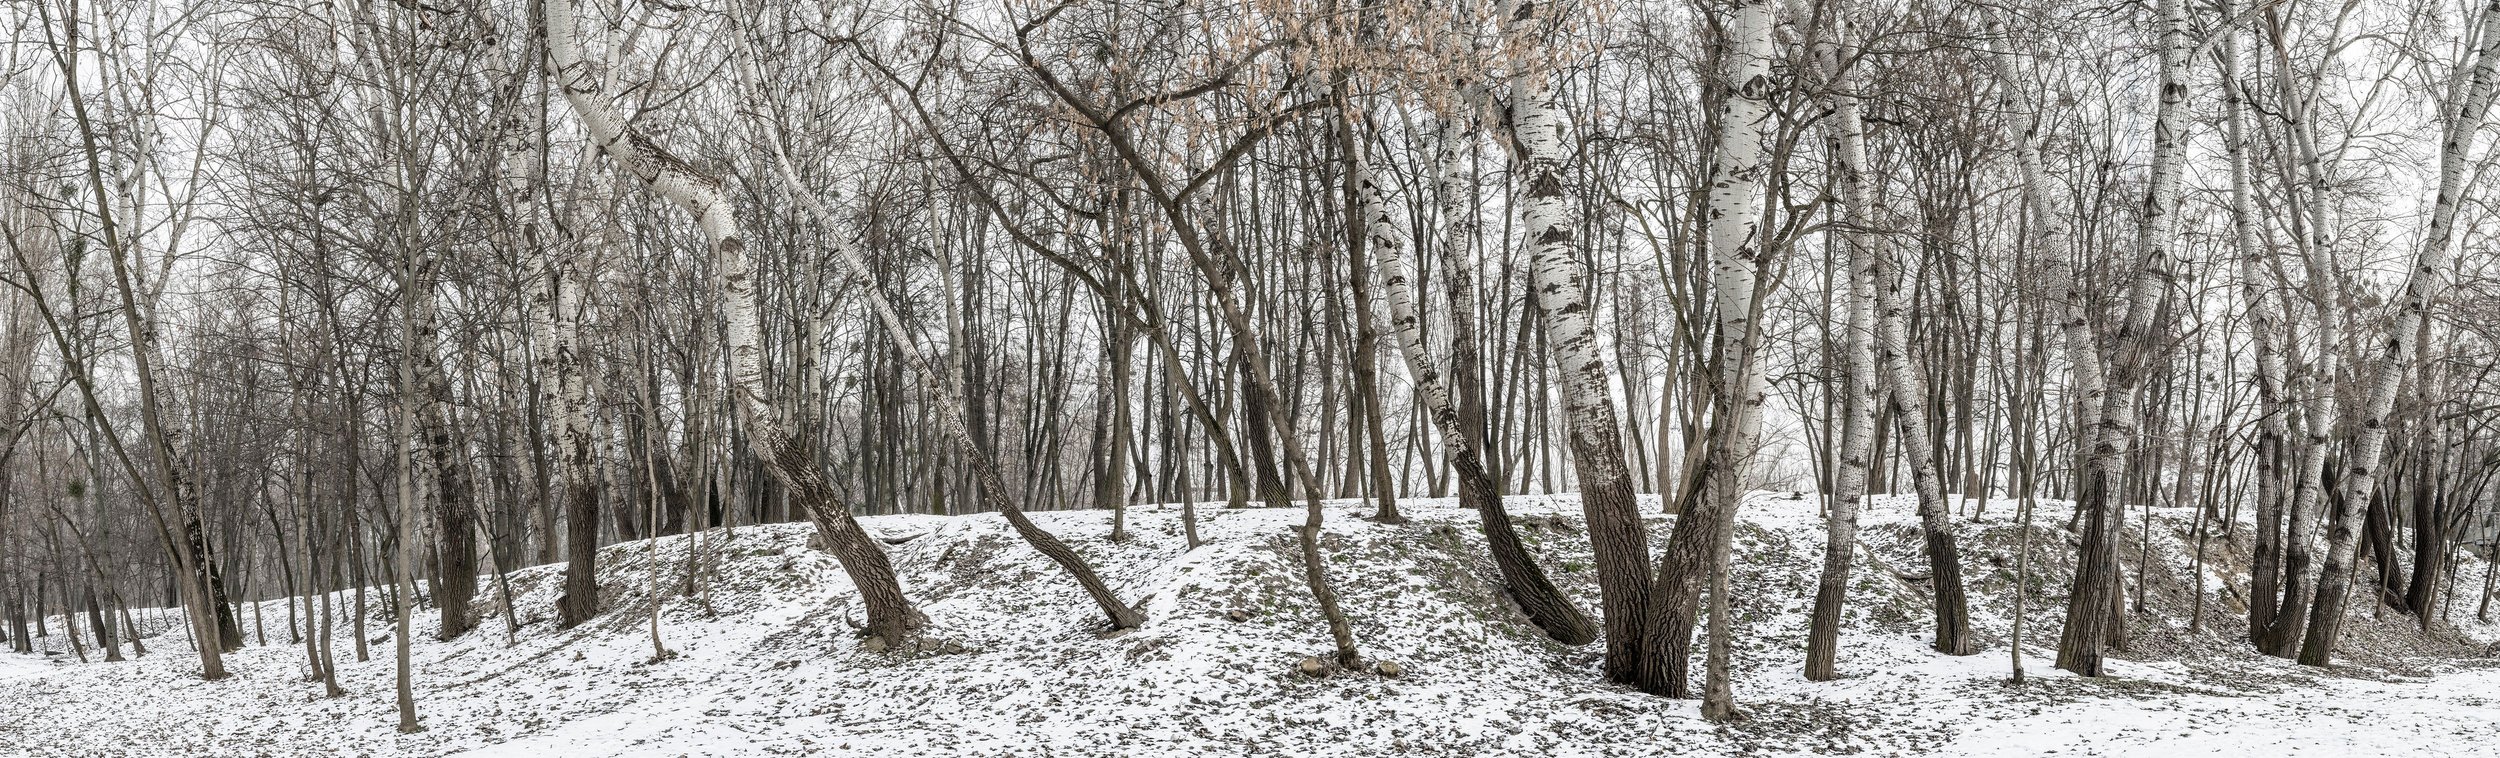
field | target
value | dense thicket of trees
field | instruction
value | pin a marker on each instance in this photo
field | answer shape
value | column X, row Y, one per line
column 315, row 297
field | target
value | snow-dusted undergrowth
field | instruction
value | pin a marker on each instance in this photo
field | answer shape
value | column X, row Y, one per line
column 1017, row 662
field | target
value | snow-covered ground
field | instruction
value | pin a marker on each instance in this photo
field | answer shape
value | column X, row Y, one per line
column 1017, row 662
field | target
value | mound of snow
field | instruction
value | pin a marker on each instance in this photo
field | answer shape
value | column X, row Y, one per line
column 1017, row 660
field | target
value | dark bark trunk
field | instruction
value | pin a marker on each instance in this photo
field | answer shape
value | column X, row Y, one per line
column 580, row 600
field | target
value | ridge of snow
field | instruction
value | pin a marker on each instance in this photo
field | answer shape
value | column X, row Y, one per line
column 1016, row 661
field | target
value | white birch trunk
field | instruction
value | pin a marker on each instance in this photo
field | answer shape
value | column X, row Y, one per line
column 1549, row 219
column 1737, row 255
column 2314, row 224
column 2266, row 569
column 890, row 616
column 2395, row 356
column 1696, row 554
column 2092, row 607
column 1858, row 386
column 950, row 416
column 1526, row 582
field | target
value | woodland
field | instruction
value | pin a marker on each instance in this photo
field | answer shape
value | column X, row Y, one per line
column 322, row 316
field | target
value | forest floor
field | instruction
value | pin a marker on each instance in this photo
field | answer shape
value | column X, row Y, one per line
column 1017, row 663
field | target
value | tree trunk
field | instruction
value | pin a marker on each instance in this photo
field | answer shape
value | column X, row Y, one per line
column 1545, row 605
column 2396, row 353
column 2265, row 570
column 2091, row 610
column 951, row 418
column 890, row 617
column 1849, row 165
column 1549, row 224
column 455, row 569
column 1696, row 554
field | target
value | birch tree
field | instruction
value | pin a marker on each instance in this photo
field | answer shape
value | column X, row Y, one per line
column 1547, row 221
column 2092, row 607
column 1696, row 555
column 891, row 620
column 2460, row 124
column 1858, row 382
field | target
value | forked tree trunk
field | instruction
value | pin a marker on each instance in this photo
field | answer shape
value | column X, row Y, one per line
column 2431, row 496
column 2315, row 382
column 2291, row 616
column 1696, row 554
column 1902, row 386
column 992, row 487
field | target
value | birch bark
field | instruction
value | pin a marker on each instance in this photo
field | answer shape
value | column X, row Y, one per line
column 2091, row 609
column 2396, row 352
column 1526, row 582
column 992, row 486
column 1696, row 554
column 1909, row 412
column 1858, row 386
column 2315, row 382
column 2265, row 572
column 890, row 617
column 571, row 396
column 1549, row 223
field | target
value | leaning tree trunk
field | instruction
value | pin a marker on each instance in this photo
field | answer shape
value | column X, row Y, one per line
column 1526, row 582
column 2396, row 353
column 890, row 616
column 1550, row 223
column 993, row 488
column 202, row 597
column 1857, row 429
column 1204, row 244
column 1903, row 387
column 2092, row 608
column 1909, row 412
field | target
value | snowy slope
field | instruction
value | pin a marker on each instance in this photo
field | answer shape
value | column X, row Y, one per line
column 1017, row 662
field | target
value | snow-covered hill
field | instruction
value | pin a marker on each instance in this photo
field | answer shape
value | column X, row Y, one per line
column 1017, row 662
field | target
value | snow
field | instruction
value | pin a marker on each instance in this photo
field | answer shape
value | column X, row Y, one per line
column 1017, row 662
column 2452, row 715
